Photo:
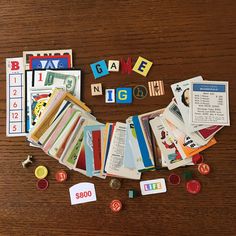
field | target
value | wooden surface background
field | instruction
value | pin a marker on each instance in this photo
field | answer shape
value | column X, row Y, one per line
column 183, row 39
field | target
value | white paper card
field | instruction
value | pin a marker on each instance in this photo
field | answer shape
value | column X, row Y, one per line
column 209, row 103
column 82, row 192
column 153, row 186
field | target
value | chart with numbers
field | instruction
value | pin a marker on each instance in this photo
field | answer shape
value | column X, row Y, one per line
column 15, row 87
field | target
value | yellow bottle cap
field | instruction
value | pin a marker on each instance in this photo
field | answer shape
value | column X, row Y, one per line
column 41, row 172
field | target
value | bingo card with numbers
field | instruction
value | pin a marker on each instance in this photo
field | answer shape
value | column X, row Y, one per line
column 15, row 97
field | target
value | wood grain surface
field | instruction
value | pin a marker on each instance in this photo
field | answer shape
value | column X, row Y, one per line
column 183, row 39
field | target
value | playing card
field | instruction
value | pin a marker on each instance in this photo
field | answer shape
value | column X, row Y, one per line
column 169, row 151
column 209, row 103
column 182, row 96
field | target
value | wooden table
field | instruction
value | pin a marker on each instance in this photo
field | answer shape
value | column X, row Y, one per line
column 183, row 39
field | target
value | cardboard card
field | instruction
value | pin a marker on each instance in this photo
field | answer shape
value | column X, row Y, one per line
column 183, row 142
column 170, row 154
column 133, row 142
column 49, row 62
column 51, row 111
column 58, row 129
column 69, row 79
column 64, row 135
column 209, row 103
column 46, row 135
column 15, row 100
column 28, row 84
column 80, row 164
column 92, row 154
column 173, row 115
column 73, row 146
column 181, row 91
column 115, row 160
column 82, row 192
column 38, row 101
column 108, row 132
column 143, row 146
column 149, row 136
column 28, row 54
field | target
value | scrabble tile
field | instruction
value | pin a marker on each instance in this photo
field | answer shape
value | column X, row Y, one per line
column 126, row 66
column 113, row 65
column 156, row 88
column 124, row 95
column 142, row 66
column 99, row 69
column 96, row 89
column 110, row 95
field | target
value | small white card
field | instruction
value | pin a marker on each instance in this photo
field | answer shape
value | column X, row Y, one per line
column 153, row 186
column 209, row 103
column 82, row 192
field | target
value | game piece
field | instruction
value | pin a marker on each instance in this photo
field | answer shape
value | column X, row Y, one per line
column 126, row 66
column 197, row 159
column 110, row 95
column 42, row 184
column 209, row 103
column 187, row 175
column 96, row 89
column 124, row 95
column 82, row 192
column 140, row 92
column 142, row 66
column 116, row 205
column 115, row 184
column 132, row 193
column 26, row 162
column 193, row 186
column 41, row 172
column 153, row 186
column 113, row 65
column 156, row 88
column 99, row 69
column 15, row 102
column 174, row 179
column 61, row 176
column 204, row 168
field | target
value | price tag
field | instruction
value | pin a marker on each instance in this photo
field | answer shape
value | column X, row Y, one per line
column 82, row 192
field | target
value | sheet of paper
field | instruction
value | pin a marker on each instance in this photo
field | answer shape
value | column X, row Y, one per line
column 15, row 91
column 209, row 103
column 82, row 193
